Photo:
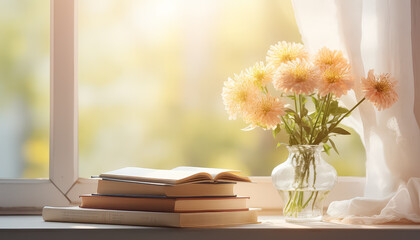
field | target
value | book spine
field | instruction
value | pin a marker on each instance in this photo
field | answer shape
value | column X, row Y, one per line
column 215, row 219
column 110, row 217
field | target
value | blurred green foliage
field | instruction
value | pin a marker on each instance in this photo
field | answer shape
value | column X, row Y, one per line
column 24, row 88
column 151, row 74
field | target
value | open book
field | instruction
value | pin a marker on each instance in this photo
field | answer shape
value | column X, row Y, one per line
column 177, row 175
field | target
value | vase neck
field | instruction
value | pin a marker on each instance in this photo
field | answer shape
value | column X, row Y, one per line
column 305, row 153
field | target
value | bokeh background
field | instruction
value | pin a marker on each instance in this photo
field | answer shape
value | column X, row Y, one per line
column 151, row 74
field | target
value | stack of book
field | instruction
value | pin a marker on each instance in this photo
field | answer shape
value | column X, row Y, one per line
column 181, row 197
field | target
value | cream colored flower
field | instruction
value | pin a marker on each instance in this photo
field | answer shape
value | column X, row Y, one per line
column 260, row 74
column 326, row 58
column 297, row 76
column 266, row 111
column 284, row 52
column 238, row 95
column 336, row 79
column 380, row 89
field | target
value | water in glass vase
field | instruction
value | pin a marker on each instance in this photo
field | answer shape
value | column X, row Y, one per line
column 303, row 206
column 303, row 181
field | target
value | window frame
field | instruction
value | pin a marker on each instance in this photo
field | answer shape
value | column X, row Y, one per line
column 64, row 186
column 63, row 160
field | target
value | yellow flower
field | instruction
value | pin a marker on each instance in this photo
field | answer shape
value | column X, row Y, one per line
column 326, row 58
column 238, row 95
column 266, row 111
column 298, row 76
column 260, row 74
column 284, row 52
column 380, row 89
column 336, row 79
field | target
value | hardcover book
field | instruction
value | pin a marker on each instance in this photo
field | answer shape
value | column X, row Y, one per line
column 163, row 219
column 164, row 204
column 126, row 187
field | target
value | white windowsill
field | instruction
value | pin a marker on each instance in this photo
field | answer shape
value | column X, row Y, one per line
column 271, row 227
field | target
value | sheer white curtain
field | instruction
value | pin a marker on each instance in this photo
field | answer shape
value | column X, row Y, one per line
column 374, row 34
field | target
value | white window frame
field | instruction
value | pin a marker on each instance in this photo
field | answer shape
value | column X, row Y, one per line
column 63, row 163
column 64, row 185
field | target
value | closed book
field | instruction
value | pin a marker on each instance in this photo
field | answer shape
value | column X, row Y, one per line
column 124, row 187
column 164, row 204
column 163, row 219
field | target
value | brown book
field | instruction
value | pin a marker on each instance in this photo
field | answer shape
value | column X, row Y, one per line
column 163, row 219
column 181, row 190
column 178, row 175
column 135, row 203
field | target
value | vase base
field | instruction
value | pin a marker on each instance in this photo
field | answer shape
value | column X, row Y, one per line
column 302, row 220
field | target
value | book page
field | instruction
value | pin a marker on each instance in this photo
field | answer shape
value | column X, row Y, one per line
column 155, row 175
column 212, row 171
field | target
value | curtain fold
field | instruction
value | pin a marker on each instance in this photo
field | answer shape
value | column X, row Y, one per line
column 374, row 34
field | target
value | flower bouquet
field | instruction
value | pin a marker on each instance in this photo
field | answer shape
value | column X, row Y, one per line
column 303, row 100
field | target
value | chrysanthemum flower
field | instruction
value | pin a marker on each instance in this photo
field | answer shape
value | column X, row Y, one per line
column 336, row 79
column 326, row 58
column 238, row 94
column 284, row 52
column 260, row 74
column 297, row 76
column 266, row 111
column 380, row 89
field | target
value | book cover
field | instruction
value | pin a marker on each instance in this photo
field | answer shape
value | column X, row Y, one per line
column 162, row 219
column 163, row 204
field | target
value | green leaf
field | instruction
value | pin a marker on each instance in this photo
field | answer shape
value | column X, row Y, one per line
column 333, row 145
column 290, row 111
column 333, row 107
column 327, row 148
column 341, row 110
column 276, row 130
column 298, row 120
column 307, row 129
column 316, row 102
column 304, row 99
column 319, row 138
column 340, row 130
column 313, row 116
column 334, row 119
column 304, row 111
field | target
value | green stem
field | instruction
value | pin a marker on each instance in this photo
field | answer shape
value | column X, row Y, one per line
column 309, row 199
column 316, row 121
column 313, row 203
column 324, row 117
column 296, row 108
column 301, row 119
column 345, row 115
column 290, row 131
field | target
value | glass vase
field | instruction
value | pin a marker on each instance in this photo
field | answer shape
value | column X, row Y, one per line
column 303, row 181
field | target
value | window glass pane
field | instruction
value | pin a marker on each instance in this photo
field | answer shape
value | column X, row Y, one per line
column 24, row 88
column 151, row 74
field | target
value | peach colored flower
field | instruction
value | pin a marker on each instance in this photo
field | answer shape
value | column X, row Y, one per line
column 336, row 79
column 380, row 89
column 266, row 111
column 297, row 76
column 238, row 94
column 326, row 58
column 260, row 74
column 284, row 52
